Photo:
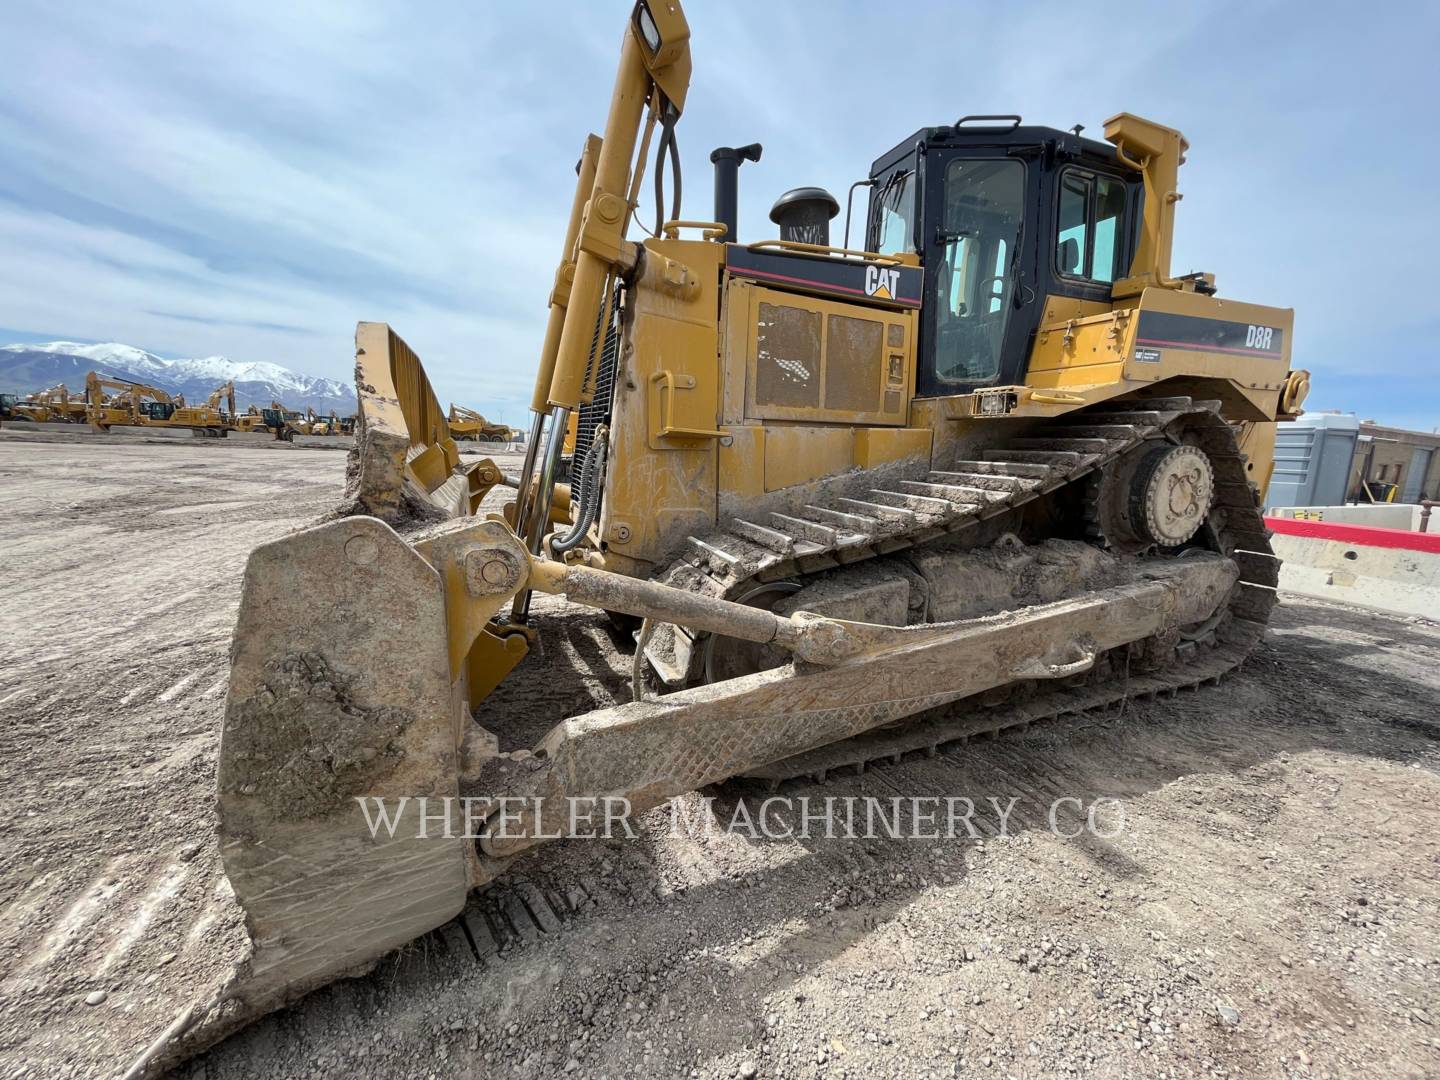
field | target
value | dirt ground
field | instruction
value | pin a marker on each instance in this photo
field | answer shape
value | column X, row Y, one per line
column 1267, row 904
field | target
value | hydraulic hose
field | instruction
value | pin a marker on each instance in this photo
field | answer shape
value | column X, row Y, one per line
column 592, row 480
column 666, row 145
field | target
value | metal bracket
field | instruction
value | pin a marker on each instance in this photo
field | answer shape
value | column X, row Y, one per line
column 668, row 381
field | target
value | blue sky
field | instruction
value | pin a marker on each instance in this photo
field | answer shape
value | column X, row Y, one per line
column 253, row 178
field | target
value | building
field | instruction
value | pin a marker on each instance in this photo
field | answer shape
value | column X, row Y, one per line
column 1394, row 465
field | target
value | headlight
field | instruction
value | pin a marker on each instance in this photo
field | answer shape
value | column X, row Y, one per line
column 649, row 32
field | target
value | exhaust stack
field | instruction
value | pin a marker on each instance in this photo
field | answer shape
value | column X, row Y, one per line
column 727, row 161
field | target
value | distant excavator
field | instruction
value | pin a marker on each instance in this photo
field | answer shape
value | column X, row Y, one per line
column 141, row 405
column 104, row 410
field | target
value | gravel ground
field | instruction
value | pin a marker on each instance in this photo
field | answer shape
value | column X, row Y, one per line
column 1267, row 904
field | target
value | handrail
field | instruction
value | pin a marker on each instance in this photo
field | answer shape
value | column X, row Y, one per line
column 825, row 249
column 713, row 230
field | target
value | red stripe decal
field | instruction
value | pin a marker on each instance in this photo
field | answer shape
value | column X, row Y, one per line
column 1196, row 347
column 1356, row 535
column 747, row 272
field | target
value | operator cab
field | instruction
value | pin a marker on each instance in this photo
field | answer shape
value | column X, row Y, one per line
column 1004, row 218
column 157, row 410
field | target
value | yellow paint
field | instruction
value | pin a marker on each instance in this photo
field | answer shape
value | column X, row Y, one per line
column 668, row 380
column 491, row 658
column 742, row 461
column 880, row 446
column 799, row 453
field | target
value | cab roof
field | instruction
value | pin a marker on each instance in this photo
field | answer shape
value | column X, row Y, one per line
column 1001, row 132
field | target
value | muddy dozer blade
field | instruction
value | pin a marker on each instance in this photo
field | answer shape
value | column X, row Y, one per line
column 343, row 687
column 405, row 464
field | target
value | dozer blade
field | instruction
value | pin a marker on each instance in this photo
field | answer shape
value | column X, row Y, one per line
column 344, row 684
column 405, row 464
column 355, row 658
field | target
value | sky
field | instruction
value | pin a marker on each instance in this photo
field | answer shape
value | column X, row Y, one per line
column 250, row 179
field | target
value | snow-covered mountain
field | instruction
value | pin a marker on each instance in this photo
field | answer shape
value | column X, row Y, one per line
column 27, row 368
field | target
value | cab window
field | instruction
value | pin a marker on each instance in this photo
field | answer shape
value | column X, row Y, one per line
column 974, row 278
column 1090, row 232
column 896, row 233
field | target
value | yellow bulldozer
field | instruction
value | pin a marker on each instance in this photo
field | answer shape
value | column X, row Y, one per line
column 996, row 451
column 251, row 420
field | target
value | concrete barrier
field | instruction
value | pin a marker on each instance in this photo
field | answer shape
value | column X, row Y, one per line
column 325, row 442
column 252, row 438
column 1386, row 569
column 62, row 428
column 146, row 432
column 1378, row 515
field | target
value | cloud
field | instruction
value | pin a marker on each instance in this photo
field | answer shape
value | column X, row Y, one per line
column 253, row 179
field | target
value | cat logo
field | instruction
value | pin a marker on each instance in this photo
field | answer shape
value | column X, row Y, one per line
column 881, row 283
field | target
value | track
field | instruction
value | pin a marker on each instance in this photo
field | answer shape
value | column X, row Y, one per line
column 1076, row 450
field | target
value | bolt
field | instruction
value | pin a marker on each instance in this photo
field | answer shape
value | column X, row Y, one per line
column 488, row 572
column 608, row 207
column 361, row 550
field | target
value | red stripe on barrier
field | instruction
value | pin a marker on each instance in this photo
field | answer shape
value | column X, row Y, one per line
column 1358, row 535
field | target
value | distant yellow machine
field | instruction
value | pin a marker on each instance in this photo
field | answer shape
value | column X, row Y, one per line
column 104, row 410
column 141, row 405
column 468, row 424
column 53, row 405
column 252, row 419
column 993, row 465
column 208, row 419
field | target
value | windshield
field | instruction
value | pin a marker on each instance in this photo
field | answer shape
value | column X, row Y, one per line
column 973, row 281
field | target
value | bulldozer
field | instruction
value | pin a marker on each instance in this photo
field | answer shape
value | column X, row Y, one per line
column 468, row 424
column 251, row 420
column 996, row 454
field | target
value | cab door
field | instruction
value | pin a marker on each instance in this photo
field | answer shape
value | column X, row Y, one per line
column 980, row 306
